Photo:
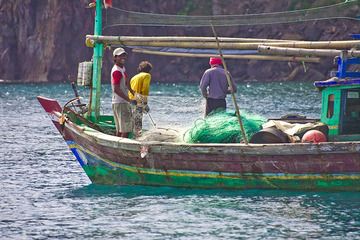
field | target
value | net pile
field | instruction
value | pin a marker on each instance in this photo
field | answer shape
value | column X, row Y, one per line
column 117, row 17
column 160, row 135
column 223, row 127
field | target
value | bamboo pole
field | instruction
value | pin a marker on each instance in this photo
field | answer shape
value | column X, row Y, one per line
column 229, row 56
column 228, row 45
column 302, row 52
column 348, row 44
column 180, row 39
column 237, row 110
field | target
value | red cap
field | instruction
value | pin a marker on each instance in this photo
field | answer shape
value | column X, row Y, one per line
column 215, row 61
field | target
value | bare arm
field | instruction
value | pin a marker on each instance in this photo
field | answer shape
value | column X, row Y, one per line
column 128, row 85
column 118, row 91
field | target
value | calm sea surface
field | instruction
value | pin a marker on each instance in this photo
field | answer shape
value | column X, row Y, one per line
column 44, row 194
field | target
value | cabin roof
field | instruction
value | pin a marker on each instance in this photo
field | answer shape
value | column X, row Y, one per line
column 332, row 82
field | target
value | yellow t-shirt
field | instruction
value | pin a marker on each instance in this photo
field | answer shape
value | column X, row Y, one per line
column 140, row 83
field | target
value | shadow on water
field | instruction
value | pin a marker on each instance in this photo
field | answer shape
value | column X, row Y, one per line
column 94, row 190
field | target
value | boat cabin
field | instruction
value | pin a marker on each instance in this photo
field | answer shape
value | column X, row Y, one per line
column 341, row 108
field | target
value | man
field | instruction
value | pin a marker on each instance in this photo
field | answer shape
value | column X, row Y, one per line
column 140, row 83
column 214, row 86
column 120, row 99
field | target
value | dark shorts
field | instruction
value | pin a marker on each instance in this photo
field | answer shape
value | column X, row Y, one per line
column 213, row 104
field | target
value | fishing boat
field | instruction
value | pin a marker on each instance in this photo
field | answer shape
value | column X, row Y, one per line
column 330, row 166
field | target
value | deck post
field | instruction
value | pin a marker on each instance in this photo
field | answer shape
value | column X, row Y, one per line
column 94, row 108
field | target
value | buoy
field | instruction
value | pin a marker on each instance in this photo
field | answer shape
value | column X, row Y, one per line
column 313, row 136
column 89, row 42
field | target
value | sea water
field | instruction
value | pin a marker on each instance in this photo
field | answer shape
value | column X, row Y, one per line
column 44, row 194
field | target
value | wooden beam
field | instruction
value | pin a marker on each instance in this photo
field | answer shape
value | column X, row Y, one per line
column 227, row 45
column 302, row 52
column 179, row 39
column 248, row 57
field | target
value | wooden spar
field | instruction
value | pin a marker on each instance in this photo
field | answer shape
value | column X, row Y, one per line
column 179, row 39
column 303, row 52
column 229, row 45
column 237, row 110
column 348, row 44
column 229, row 56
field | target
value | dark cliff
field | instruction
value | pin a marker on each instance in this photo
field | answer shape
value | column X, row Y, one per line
column 43, row 41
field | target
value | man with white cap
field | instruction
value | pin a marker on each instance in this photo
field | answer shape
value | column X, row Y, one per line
column 120, row 100
column 214, row 86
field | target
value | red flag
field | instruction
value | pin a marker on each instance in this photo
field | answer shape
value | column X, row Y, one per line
column 107, row 3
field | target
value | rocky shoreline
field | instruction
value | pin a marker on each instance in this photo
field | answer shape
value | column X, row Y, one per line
column 45, row 40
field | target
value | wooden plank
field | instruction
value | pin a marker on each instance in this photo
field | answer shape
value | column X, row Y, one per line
column 222, row 161
column 303, row 52
column 242, row 149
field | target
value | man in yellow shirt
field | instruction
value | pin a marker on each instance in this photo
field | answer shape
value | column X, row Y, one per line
column 140, row 83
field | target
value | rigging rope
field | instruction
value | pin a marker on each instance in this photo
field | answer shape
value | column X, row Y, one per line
column 117, row 17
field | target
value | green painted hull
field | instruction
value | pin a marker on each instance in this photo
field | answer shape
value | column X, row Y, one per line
column 109, row 173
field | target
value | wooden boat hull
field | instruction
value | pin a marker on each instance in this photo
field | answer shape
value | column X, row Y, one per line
column 111, row 160
column 104, row 171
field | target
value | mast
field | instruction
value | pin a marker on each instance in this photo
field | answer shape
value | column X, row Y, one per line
column 94, row 108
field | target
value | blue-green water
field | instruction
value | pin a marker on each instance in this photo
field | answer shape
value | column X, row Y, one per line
column 44, row 193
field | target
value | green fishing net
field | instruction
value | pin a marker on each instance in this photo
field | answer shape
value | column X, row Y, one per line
column 119, row 17
column 223, row 127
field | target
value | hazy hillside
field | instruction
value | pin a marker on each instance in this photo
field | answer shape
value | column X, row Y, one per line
column 42, row 40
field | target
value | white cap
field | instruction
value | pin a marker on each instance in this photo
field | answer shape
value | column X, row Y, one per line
column 119, row 51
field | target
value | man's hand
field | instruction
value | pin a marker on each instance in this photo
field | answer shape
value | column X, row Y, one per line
column 229, row 91
column 132, row 92
column 204, row 93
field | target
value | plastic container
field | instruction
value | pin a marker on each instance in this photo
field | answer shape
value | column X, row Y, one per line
column 84, row 74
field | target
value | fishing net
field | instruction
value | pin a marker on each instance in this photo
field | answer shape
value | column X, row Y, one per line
column 117, row 17
column 161, row 135
column 223, row 127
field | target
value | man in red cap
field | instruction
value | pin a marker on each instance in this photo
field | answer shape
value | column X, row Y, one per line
column 214, row 86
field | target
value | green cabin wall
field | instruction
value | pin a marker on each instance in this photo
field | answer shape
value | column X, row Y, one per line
column 335, row 121
column 332, row 122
